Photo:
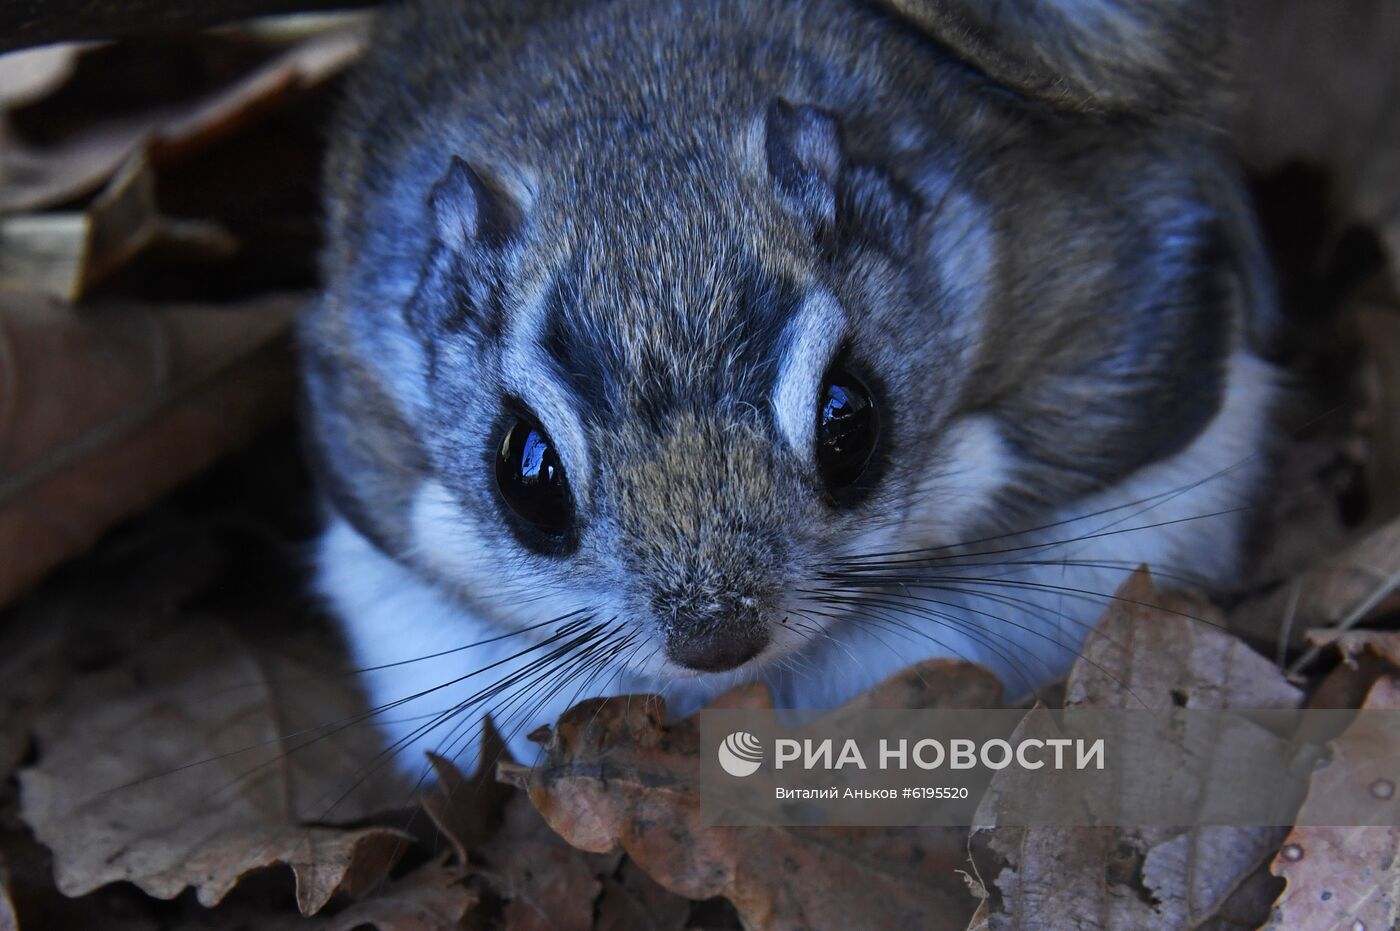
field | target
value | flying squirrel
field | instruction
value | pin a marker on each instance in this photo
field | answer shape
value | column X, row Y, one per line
column 664, row 347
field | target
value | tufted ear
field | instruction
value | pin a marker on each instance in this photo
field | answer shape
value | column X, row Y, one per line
column 473, row 222
column 805, row 157
column 1148, row 57
column 467, row 211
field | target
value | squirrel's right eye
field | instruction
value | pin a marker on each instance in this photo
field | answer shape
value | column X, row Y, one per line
column 531, row 478
column 848, row 427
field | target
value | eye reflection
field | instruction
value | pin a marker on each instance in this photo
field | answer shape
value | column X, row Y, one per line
column 848, row 428
column 532, row 459
column 531, row 479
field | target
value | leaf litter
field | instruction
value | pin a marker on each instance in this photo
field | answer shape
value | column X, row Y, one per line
column 184, row 749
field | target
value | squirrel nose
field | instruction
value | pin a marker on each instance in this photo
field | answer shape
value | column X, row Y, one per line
column 708, row 645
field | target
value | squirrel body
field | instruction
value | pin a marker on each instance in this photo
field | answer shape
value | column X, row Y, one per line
column 664, row 347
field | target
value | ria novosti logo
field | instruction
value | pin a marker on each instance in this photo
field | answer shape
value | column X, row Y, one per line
column 740, row 754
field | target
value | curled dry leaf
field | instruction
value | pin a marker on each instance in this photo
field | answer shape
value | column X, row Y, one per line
column 544, row 882
column 103, row 410
column 24, row 23
column 632, row 899
column 615, row 774
column 433, row 897
column 175, row 769
column 28, row 75
column 1338, row 592
column 32, row 178
column 1351, row 644
column 1155, row 651
column 300, row 69
column 35, row 178
column 1344, row 877
column 547, row 885
column 1148, row 651
column 467, row 811
column 66, row 254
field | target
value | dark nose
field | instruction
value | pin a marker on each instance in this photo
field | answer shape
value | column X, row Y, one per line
column 715, row 646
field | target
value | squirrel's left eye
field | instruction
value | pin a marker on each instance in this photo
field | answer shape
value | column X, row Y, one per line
column 531, row 479
column 848, row 427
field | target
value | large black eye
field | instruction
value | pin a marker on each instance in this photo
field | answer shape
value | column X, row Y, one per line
column 848, row 427
column 531, row 478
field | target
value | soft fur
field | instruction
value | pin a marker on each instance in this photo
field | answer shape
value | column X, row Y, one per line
column 654, row 226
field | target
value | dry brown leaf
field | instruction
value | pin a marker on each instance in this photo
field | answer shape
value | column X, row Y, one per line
column 633, row 899
column 1154, row 651
column 33, row 73
column 432, row 897
column 29, row 24
column 109, row 797
column 1166, row 652
column 616, row 775
column 1384, row 644
column 1251, row 899
column 467, row 811
column 300, row 69
column 1147, row 652
column 1343, row 877
column 67, row 254
column 1340, row 591
column 103, row 410
column 548, row 885
column 1322, row 83
column 33, row 178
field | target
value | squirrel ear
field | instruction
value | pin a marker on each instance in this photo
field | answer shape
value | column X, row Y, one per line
column 805, row 157
column 466, row 210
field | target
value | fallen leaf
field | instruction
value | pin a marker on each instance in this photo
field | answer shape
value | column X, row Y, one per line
column 548, row 885
column 1251, row 899
column 467, row 811
column 545, row 882
column 67, row 254
column 302, row 68
column 104, row 410
column 433, row 897
column 1156, row 651
column 200, row 759
column 615, row 775
column 33, row 177
column 1384, row 644
column 1148, row 651
column 1340, row 591
column 33, row 73
column 1343, row 877
column 633, row 899
column 23, row 24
